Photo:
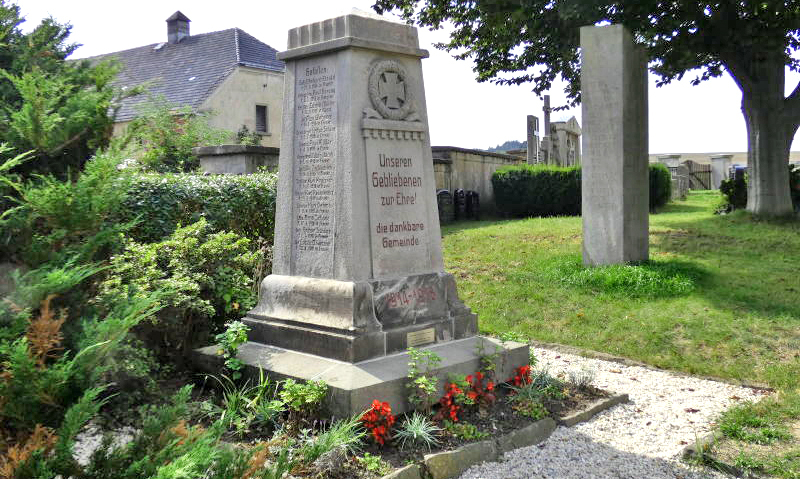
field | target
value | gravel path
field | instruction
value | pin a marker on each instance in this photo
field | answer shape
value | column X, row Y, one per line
column 641, row 439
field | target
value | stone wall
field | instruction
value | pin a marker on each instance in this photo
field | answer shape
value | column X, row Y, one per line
column 470, row 169
column 236, row 159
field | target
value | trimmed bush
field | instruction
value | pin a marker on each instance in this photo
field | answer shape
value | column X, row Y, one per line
column 735, row 192
column 244, row 205
column 539, row 190
column 660, row 186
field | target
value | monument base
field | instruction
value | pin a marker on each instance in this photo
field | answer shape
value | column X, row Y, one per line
column 356, row 321
column 353, row 386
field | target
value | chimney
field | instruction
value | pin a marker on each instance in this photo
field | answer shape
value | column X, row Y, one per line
column 177, row 27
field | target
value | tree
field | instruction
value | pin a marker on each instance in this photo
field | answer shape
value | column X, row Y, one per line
column 752, row 41
column 61, row 110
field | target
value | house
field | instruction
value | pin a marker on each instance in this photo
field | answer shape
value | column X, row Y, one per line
column 229, row 72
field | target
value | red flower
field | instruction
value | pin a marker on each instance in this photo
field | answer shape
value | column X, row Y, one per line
column 379, row 420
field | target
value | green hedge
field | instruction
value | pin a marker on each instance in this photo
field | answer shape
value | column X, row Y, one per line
column 244, row 205
column 538, row 190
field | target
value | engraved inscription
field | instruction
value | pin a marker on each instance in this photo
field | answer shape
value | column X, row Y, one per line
column 314, row 167
column 398, row 207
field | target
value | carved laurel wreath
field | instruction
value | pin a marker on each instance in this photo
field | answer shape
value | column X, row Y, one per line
column 376, row 76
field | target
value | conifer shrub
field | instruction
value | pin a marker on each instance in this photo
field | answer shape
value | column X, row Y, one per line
column 660, row 186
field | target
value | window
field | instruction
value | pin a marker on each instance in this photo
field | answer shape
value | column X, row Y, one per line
column 261, row 119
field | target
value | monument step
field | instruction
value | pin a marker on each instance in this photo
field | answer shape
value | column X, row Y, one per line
column 355, row 346
column 353, row 386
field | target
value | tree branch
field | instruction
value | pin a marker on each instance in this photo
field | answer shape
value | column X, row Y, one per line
column 57, row 149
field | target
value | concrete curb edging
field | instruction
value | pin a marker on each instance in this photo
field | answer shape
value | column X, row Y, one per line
column 589, row 353
column 450, row 464
column 699, row 451
column 591, row 411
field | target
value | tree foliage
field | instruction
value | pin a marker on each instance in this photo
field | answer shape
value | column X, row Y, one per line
column 506, row 38
column 521, row 41
column 61, row 110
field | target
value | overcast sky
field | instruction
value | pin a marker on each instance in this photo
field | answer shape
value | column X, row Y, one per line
column 462, row 112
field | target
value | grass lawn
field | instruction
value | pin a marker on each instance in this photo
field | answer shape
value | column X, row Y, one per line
column 720, row 297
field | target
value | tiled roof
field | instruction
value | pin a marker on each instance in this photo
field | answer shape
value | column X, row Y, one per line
column 185, row 73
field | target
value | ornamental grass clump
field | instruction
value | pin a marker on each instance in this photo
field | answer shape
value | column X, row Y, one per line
column 418, row 430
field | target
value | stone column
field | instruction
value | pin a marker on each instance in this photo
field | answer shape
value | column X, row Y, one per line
column 615, row 186
column 547, row 144
column 533, row 140
column 720, row 167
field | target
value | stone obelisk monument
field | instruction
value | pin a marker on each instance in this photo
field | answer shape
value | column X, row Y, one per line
column 357, row 273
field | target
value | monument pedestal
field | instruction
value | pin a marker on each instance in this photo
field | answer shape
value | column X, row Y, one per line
column 358, row 275
column 355, row 321
column 353, row 386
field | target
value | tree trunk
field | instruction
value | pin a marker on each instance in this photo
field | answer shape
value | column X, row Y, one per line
column 770, row 131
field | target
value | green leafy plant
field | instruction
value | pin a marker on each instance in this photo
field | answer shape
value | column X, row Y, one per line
column 167, row 134
column 528, row 190
column 417, row 430
column 735, row 192
column 531, row 408
column 488, row 360
column 744, row 423
column 247, row 138
column 43, row 381
column 529, row 388
column 464, row 430
column 235, row 335
column 304, row 400
column 192, row 267
column 422, row 383
column 374, row 464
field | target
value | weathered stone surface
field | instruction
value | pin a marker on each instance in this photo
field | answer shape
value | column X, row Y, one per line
column 614, row 179
column 353, row 386
column 671, row 161
column 445, row 465
column 357, row 269
column 236, row 159
column 409, row 472
column 527, row 436
column 720, row 164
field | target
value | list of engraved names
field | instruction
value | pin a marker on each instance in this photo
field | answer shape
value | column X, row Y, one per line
column 315, row 148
